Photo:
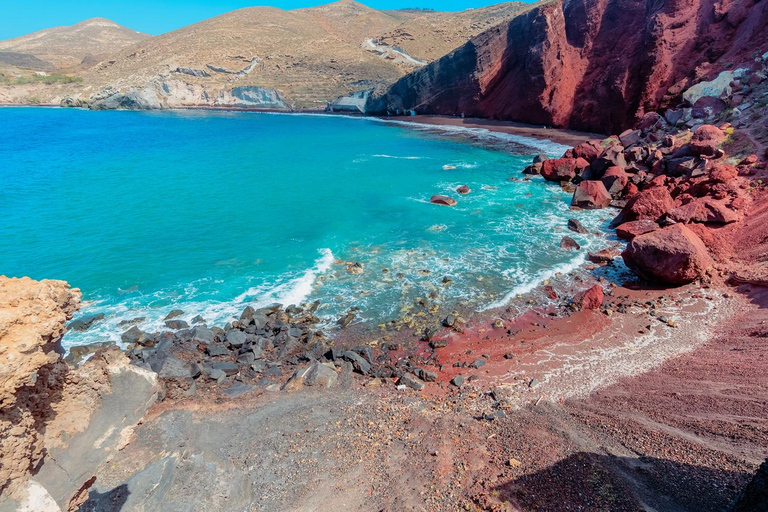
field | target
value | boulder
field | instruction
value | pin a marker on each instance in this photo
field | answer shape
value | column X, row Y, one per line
column 576, row 226
column 603, row 256
column 563, row 169
column 463, row 189
column 723, row 173
column 705, row 210
column 361, row 365
column 707, row 107
column 534, row 169
column 612, row 156
column 442, row 200
column 412, row 381
column 569, row 244
column 630, row 137
column 706, row 139
column 589, row 151
column 591, row 195
column 84, row 322
column 174, row 314
column 650, row 203
column 615, row 180
column 630, row 230
column 671, row 255
column 540, row 158
column 176, row 324
column 589, row 299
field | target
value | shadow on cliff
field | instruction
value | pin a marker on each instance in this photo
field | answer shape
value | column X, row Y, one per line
column 590, row 481
column 109, row 501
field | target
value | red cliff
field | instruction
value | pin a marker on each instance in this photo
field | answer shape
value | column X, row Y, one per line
column 595, row 65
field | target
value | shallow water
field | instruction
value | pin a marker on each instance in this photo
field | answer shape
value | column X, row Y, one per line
column 210, row 211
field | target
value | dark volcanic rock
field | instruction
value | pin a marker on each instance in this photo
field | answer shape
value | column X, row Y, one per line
column 754, row 497
column 569, row 244
column 576, row 226
column 84, row 322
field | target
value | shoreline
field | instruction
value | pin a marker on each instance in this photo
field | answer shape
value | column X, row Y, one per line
column 557, row 135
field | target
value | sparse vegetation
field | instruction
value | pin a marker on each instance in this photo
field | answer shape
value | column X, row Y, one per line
column 33, row 100
column 40, row 79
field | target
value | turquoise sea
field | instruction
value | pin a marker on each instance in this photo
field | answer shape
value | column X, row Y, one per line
column 210, row 211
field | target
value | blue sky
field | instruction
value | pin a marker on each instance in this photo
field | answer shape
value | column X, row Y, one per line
column 155, row 17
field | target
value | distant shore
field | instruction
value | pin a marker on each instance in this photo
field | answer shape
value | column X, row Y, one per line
column 561, row 136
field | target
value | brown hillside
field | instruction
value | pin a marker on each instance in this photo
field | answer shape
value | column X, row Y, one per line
column 65, row 47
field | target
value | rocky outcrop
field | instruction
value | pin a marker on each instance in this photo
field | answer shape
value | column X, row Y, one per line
column 671, row 255
column 594, row 65
column 754, row 497
column 58, row 424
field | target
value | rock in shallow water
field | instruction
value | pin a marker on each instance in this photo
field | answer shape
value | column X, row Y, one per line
column 442, row 200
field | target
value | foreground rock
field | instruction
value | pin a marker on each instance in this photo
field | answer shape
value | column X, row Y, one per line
column 671, row 255
column 53, row 416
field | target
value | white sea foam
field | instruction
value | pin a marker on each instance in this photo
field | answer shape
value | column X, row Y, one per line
column 539, row 277
column 400, row 157
column 543, row 145
column 294, row 291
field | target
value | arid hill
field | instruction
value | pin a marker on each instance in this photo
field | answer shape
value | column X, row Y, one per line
column 588, row 64
column 67, row 47
column 263, row 57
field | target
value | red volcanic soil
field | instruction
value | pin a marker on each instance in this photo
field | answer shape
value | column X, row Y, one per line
column 593, row 65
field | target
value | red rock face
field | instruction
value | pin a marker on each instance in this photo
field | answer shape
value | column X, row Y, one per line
column 596, row 65
column 672, row 255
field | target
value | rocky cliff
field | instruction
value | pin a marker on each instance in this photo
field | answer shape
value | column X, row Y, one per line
column 595, row 65
column 52, row 416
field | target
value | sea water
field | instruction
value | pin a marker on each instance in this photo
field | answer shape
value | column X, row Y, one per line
column 208, row 212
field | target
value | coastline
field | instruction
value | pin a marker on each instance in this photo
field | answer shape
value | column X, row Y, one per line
column 558, row 135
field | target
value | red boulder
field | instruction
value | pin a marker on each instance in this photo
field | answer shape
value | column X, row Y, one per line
column 672, row 255
column 706, row 139
column 563, row 169
column 442, row 200
column 589, row 150
column 723, row 173
column 650, row 203
column 630, row 230
column 463, row 189
column 591, row 195
column 703, row 209
column 615, row 180
column 590, row 299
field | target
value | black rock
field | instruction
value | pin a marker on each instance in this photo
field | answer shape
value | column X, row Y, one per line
column 236, row 338
column 173, row 368
column 133, row 336
column 173, row 314
column 227, row 367
column 426, row 375
column 479, row 363
column 202, row 335
column 361, row 365
column 198, row 320
column 458, row 381
column 176, row 324
column 346, row 319
column 216, row 350
column 84, row 322
column 410, row 380
column 576, row 226
column 366, row 352
column 237, row 389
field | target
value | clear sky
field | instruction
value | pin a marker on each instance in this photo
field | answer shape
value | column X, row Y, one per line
column 21, row 17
